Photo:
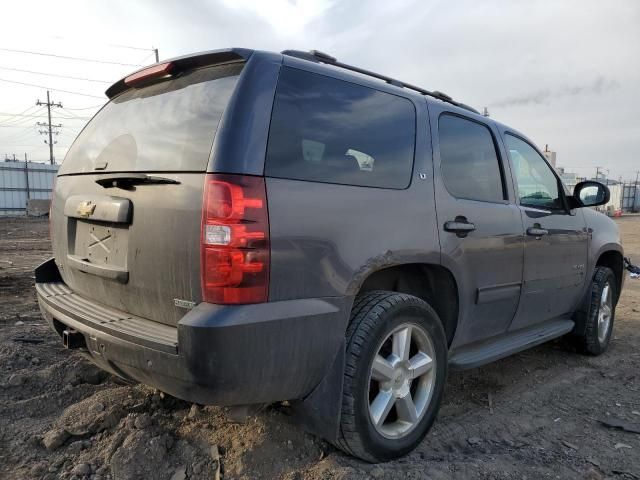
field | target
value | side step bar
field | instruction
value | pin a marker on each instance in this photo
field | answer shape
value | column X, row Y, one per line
column 477, row 354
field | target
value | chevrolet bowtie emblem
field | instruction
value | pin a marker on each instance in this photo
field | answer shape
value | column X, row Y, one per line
column 86, row 208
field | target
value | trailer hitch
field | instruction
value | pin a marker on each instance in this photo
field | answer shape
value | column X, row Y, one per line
column 72, row 339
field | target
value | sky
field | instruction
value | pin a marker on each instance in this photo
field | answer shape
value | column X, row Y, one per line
column 565, row 73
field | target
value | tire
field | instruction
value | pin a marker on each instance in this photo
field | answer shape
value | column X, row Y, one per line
column 596, row 334
column 380, row 323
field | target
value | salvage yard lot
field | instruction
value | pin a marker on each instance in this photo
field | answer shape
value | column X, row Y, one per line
column 538, row 414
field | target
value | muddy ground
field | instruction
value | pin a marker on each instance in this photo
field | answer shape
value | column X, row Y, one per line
column 534, row 415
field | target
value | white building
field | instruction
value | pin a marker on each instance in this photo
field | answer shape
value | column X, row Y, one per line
column 550, row 156
column 23, row 181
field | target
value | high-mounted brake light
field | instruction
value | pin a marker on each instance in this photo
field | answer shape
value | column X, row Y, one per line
column 155, row 71
column 235, row 251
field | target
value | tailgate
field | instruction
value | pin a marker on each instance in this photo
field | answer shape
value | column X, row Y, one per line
column 137, row 251
column 127, row 204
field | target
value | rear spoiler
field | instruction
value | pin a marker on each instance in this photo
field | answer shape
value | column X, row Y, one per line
column 188, row 62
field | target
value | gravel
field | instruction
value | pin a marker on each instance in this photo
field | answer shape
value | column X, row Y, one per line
column 61, row 417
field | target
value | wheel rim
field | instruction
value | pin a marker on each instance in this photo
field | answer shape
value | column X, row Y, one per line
column 401, row 380
column 604, row 312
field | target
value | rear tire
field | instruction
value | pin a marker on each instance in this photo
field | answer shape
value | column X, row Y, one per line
column 598, row 314
column 395, row 373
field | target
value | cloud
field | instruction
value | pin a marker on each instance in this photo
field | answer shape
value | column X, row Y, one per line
column 565, row 73
column 545, row 96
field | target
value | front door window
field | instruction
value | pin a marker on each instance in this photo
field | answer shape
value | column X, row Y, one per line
column 536, row 184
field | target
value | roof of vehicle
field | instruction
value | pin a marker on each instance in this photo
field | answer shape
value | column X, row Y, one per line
column 227, row 55
column 320, row 57
column 315, row 60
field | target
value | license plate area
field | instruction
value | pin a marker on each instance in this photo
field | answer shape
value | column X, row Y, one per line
column 98, row 248
column 101, row 244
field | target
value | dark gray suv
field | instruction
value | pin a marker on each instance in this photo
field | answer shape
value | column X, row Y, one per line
column 241, row 227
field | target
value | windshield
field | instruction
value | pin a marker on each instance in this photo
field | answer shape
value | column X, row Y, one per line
column 168, row 126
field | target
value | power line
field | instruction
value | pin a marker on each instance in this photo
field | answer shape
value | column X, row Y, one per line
column 12, row 120
column 25, row 128
column 27, row 109
column 146, row 57
column 83, row 119
column 20, row 121
column 131, row 48
column 66, row 57
column 55, row 117
column 76, row 128
column 116, row 45
column 85, row 108
column 16, row 141
column 74, row 117
column 34, row 146
column 49, row 88
column 56, row 75
column 26, row 135
column 21, row 136
column 5, row 114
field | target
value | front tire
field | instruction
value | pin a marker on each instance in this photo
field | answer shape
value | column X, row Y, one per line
column 598, row 315
column 395, row 373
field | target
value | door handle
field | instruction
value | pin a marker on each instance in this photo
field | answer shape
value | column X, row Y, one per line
column 460, row 226
column 537, row 231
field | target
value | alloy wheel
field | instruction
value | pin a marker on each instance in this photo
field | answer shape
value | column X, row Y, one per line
column 604, row 312
column 402, row 377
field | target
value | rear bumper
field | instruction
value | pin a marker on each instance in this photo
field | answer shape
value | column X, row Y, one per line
column 220, row 355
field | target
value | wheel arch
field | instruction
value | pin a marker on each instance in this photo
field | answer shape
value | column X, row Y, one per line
column 613, row 259
column 432, row 283
column 429, row 281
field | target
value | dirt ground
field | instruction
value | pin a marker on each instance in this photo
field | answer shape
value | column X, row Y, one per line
column 534, row 415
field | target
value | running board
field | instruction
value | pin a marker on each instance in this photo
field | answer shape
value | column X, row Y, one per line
column 477, row 354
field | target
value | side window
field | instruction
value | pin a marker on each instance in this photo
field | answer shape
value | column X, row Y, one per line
column 537, row 185
column 468, row 160
column 327, row 130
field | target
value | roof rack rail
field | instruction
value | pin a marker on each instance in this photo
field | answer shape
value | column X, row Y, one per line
column 321, row 57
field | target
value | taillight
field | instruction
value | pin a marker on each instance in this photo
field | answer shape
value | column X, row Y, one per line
column 235, row 240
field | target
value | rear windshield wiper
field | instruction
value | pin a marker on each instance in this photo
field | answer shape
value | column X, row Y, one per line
column 128, row 180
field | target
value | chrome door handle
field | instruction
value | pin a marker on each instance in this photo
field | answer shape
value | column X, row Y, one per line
column 460, row 227
column 537, row 231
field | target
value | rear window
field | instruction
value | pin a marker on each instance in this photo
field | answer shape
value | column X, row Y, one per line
column 168, row 126
column 328, row 130
column 469, row 161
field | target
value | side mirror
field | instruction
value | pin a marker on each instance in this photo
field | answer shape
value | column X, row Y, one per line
column 591, row 194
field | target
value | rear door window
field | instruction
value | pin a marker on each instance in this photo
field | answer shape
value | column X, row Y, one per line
column 168, row 126
column 469, row 161
column 328, row 130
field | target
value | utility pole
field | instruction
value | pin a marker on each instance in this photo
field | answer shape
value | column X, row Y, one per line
column 155, row 50
column 600, row 171
column 635, row 192
column 26, row 176
column 49, row 126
